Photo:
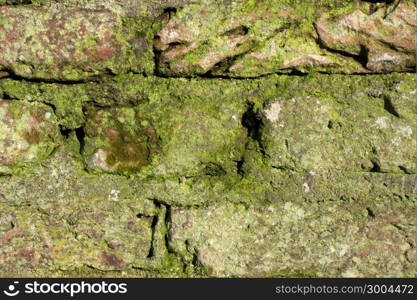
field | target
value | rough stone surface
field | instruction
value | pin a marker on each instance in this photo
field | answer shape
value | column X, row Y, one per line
column 118, row 140
column 355, row 133
column 333, row 239
column 104, row 227
column 69, row 44
column 28, row 133
column 210, row 138
column 385, row 37
column 252, row 38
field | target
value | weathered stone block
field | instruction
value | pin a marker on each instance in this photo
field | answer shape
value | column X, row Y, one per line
column 298, row 239
column 351, row 132
column 55, row 43
column 118, row 140
column 38, row 244
column 71, row 220
column 384, row 37
column 28, row 133
column 198, row 134
column 253, row 38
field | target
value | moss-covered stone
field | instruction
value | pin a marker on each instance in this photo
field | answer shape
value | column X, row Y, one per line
column 28, row 134
column 363, row 131
column 59, row 219
column 385, row 37
column 72, row 44
column 252, row 38
column 118, row 140
column 334, row 239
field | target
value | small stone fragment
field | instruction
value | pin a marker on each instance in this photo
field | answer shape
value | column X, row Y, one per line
column 118, row 141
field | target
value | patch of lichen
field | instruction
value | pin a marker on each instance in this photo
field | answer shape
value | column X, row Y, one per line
column 138, row 32
column 118, row 140
column 66, row 100
column 29, row 134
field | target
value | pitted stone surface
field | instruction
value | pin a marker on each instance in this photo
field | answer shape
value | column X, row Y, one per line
column 249, row 39
column 28, row 133
column 335, row 239
column 53, row 43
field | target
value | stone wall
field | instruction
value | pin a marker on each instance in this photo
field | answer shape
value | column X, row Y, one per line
column 186, row 138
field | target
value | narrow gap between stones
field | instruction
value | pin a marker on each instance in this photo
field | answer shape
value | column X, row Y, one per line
column 361, row 58
column 6, row 96
column 151, row 252
column 80, row 134
column 168, row 222
column 207, row 76
column 154, row 227
column 379, row 1
column 405, row 170
column 376, row 168
column 252, row 121
column 389, row 107
column 52, row 106
column 42, row 80
column 370, row 212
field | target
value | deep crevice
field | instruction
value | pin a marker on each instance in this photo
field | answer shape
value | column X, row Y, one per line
column 389, row 107
column 195, row 260
column 370, row 212
column 361, row 58
column 239, row 166
column 240, row 30
column 151, row 252
column 252, row 121
column 156, row 220
column 168, row 222
column 6, row 96
column 170, row 10
column 141, row 215
column 17, row 2
column 65, row 132
column 226, row 63
column 376, row 168
column 52, row 106
column 80, row 135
